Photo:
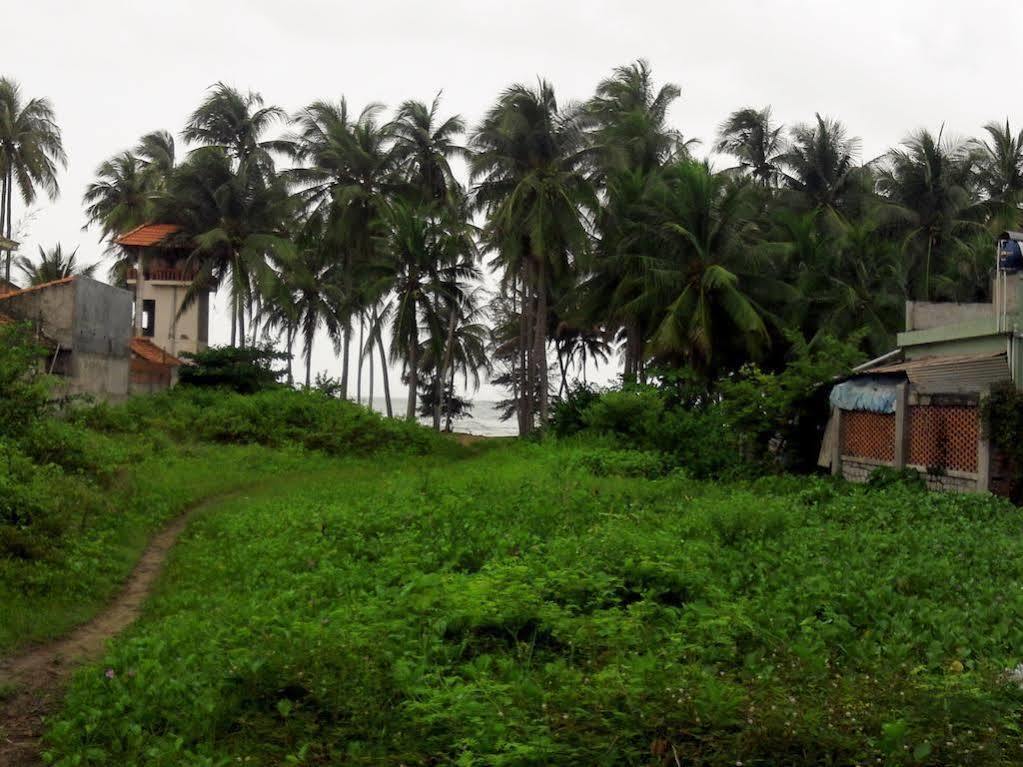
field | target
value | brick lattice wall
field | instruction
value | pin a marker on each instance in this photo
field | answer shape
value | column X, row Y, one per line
column 868, row 435
column 943, row 436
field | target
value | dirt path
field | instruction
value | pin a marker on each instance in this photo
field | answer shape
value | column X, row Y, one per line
column 37, row 678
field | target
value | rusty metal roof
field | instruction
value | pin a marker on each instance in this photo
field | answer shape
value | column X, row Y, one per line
column 956, row 374
column 147, row 235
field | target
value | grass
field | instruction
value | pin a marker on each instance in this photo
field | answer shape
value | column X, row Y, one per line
column 81, row 495
column 545, row 604
column 43, row 599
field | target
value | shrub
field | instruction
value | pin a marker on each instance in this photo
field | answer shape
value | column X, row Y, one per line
column 245, row 370
column 567, row 413
column 24, row 389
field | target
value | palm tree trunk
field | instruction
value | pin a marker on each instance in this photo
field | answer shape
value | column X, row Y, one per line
column 241, row 324
column 541, row 344
column 383, row 375
column 413, row 376
column 234, row 319
column 449, row 350
column 289, row 339
column 3, row 228
column 345, row 348
column 358, row 366
column 447, row 426
column 525, row 357
column 309, row 364
column 561, row 366
column 369, row 400
column 8, row 218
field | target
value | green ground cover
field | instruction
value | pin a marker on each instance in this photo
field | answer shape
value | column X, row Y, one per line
column 558, row 604
column 82, row 490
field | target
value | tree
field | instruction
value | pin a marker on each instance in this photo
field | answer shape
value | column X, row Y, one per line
column 349, row 172
column 53, row 265
column 933, row 181
column 426, row 256
column 235, row 220
column 528, row 167
column 820, row 162
column 423, row 148
column 31, row 151
column 750, row 137
column 1000, row 163
column 706, row 272
column 237, row 123
column 120, row 198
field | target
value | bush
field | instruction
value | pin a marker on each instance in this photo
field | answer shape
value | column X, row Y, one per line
column 245, row 370
column 24, row 389
column 567, row 413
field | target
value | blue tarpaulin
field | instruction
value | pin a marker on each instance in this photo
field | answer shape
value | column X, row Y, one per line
column 871, row 393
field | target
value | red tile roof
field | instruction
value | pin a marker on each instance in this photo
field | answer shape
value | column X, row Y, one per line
column 150, row 352
column 41, row 286
column 147, row 235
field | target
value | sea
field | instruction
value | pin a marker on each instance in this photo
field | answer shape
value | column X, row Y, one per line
column 484, row 420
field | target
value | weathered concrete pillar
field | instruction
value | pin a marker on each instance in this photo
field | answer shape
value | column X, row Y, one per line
column 901, row 425
column 836, row 454
column 983, row 447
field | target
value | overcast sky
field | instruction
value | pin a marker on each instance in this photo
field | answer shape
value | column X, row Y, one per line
column 115, row 70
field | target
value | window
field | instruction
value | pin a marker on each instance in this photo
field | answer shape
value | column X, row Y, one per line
column 148, row 317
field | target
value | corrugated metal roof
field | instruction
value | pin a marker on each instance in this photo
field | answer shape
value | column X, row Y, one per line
column 147, row 235
column 958, row 374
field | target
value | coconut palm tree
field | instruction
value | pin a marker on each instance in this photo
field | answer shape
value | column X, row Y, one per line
column 755, row 141
column 1000, row 162
column 349, row 171
column 820, row 162
column 31, row 152
column 235, row 220
column 528, row 168
column 236, row 122
column 628, row 115
column 120, row 198
column 52, row 265
column 706, row 276
column 424, row 145
column 933, row 181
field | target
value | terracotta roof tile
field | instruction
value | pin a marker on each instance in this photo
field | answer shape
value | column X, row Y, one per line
column 147, row 235
column 41, row 286
column 150, row 352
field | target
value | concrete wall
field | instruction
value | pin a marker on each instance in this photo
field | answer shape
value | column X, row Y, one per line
column 924, row 315
column 102, row 319
column 174, row 334
column 855, row 469
column 51, row 308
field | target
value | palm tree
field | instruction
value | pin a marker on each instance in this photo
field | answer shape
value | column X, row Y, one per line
column 933, row 181
column 706, row 274
column 629, row 118
column 120, row 198
column 528, row 169
column 430, row 274
column 423, row 148
column 31, row 151
column 1000, row 162
column 236, row 122
column 749, row 136
column 235, row 221
column 820, row 162
column 53, row 265
column 350, row 171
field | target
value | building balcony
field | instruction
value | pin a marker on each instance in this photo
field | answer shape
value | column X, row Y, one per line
column 163, row 275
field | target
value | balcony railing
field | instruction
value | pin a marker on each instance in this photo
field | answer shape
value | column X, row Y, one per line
column 164, row 275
